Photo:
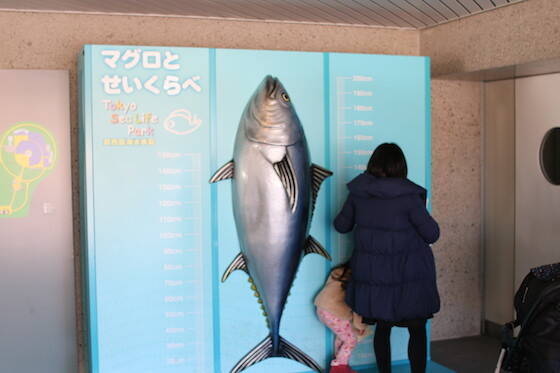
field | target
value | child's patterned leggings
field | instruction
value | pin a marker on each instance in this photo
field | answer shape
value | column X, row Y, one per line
column 345, row 340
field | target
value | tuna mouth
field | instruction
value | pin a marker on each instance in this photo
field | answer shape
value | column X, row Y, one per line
column 264, row 106
column 271, row 85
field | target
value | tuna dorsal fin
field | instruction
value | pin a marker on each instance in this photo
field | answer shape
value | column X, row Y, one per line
column 318, row 175
column 225, row 172
column 265, row 350
column 237, row 263
column 287, row 175
column 312, row 246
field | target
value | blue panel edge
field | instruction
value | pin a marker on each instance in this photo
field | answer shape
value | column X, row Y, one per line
column 329, row 337
column 214, row 213
column 428, row 125
column 428, row 147
column 403, row 364
column 86, row 211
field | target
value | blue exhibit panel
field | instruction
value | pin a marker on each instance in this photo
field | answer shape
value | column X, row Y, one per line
column 376, row 99
column 146, row 136
column 156, row 122
column 242, row 325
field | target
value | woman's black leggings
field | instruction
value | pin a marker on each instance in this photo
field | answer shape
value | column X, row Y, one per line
column 417, row 345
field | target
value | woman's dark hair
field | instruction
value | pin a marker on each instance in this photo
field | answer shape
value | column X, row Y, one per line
column 344, row 277
column 388, row 161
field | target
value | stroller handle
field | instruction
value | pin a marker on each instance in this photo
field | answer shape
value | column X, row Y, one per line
column 500, row 361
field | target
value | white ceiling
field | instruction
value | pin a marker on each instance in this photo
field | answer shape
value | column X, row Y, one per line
column 386, row 13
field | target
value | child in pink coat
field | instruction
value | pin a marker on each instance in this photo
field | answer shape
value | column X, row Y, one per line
column 335, row 314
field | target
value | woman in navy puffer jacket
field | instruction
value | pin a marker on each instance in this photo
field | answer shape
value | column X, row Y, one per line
column 393, row 270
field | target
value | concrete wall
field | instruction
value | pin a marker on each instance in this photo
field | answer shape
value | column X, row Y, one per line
column 517, row 34
column 456, row 205
column 520, row 33
column 537, row 201
column 499, row 200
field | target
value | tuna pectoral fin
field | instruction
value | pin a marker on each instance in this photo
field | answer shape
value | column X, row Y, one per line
column 288, row 177
column 312, row 246
column 264, row 350
column 238, row 263
column 225, row 172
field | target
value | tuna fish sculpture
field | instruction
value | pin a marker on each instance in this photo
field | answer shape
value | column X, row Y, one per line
column 274, row 189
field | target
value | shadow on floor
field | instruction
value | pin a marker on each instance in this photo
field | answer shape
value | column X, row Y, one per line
column 467, row 355
column 463, row 355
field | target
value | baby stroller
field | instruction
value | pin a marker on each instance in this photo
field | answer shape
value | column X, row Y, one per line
column 536, row 347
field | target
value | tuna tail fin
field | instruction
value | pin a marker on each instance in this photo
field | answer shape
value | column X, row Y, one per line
column 264, row 350
column 289, row 351
column 225, row 172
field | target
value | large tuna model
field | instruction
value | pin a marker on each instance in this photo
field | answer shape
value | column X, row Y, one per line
column 274, row 189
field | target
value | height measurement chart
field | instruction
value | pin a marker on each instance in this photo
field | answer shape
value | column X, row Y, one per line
column 180, row 201
column 145, row 165
column 156, row 123
column 354, row 118
column 376, row 99
column 354, row 131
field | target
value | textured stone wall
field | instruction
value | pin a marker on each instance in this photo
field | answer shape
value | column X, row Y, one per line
column 456, row 165
column 515, row 34
column 521, row 33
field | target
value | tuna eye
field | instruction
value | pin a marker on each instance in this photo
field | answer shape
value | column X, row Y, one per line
column 285, row 97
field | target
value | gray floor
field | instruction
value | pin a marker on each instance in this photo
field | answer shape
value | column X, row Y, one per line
column 467, row 355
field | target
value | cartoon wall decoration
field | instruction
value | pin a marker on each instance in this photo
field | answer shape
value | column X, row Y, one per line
column 28, row 153
column 157, row 123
